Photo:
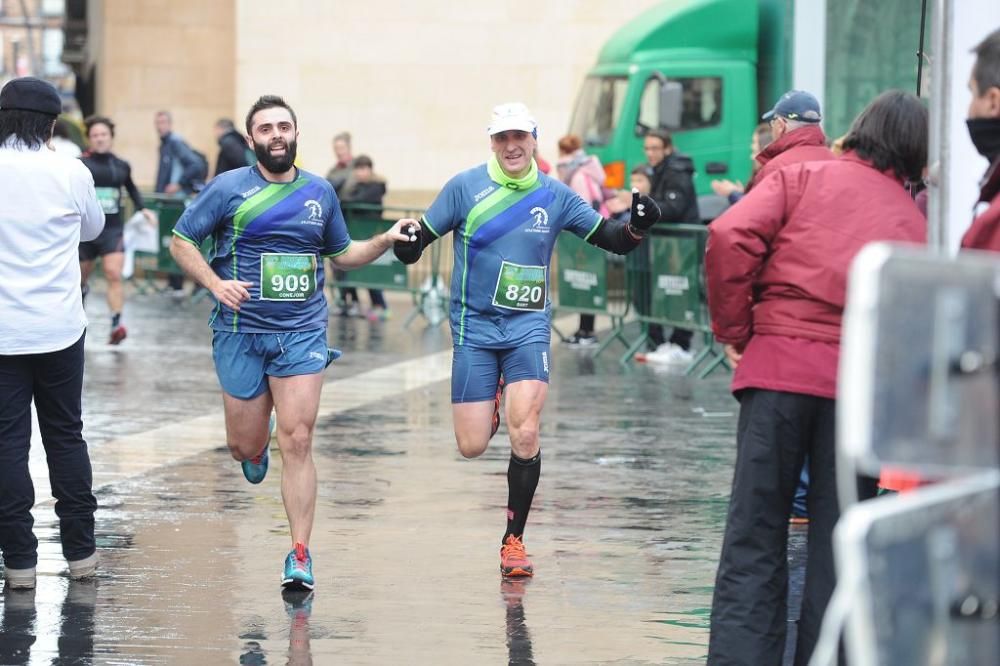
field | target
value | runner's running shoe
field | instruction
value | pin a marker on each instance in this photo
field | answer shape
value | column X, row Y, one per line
column 513, row 560
column 496, row 406
column 255, row 469
column 118, row 334
column 298, row 569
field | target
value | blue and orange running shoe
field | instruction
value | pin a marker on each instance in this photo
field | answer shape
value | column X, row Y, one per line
column 255, row 469
column 298, row 570
column 514, row 561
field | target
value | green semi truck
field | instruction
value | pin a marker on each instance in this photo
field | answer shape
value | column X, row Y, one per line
column 707, row 69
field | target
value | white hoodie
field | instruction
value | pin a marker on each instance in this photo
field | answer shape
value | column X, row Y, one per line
column 47, row 206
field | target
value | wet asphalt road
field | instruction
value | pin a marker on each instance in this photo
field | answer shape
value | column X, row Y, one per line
column 624, row 532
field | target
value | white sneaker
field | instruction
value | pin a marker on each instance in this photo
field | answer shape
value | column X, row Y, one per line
column 84, row 568
column 20, row 579
column 669, row 353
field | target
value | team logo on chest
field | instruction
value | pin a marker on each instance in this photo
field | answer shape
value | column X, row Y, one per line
column 315, row 212
column 540, row 223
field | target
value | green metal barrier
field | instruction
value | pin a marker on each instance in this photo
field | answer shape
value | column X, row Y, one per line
column 666, row 280
column 168, row 209
column 423, row 280
column 590, row 281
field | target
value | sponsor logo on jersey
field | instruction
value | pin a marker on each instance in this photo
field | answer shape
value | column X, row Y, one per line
column 483, row 193
column 540, row 223
column 252, row 191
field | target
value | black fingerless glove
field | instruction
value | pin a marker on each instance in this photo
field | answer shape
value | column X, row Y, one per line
column 645, row 213
column 409, row 251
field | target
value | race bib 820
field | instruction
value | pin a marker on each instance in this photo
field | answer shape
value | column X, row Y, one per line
column 520, row 287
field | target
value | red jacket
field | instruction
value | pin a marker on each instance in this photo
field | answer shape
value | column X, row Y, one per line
column 984, row 234
column 777, row 263
column 804, row 144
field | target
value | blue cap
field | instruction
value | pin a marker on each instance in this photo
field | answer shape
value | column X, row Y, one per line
column 796, row 105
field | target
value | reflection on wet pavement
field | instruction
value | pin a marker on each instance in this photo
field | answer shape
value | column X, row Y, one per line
column 624, row 532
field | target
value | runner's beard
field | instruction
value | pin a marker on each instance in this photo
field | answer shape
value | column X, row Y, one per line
column 279, row 163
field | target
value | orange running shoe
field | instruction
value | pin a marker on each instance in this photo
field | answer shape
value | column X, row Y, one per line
column 496, row 406
column 513, row 560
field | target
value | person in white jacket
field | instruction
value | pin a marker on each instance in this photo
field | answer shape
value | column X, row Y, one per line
column 47, row 206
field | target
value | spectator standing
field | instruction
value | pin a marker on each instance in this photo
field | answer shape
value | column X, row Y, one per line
column 984, row 130
column 47, row 206
column 178, row 173
column 733, row 190
column 673, row 190
column 776, row 267
column 365, row 187
column 584, row 175
column 342, row 170
column 798, row 137
column 233, row 149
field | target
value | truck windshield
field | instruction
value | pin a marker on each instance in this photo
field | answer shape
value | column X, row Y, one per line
column 598, row 109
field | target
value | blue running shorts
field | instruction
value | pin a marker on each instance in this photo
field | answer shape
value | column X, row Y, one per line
column 475, row 371
column 244, row 361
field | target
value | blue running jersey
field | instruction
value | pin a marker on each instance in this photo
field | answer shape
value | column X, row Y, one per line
column 505, row 230
column 273, row 235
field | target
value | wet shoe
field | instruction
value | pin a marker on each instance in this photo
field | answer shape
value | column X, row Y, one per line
column 85, row 568
column 118, row 334
column 298, row 570
column 20, row 579
column 513, row 560
column 496, row 406
column 255, row 469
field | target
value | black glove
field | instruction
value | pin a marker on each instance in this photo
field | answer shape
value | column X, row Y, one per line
column 645, row 212
column 409, row 251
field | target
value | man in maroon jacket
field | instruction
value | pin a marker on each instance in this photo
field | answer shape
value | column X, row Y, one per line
column 797, row 135
column 777, row 267
column 984, row 129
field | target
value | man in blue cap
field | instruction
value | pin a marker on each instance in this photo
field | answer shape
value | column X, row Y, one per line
column 798, row 137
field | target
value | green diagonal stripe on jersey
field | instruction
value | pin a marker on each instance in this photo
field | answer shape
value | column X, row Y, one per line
column 252, row 208
column 492, row 206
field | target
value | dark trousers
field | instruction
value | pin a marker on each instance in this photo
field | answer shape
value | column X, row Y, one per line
column 749, row 610
column 55, row 382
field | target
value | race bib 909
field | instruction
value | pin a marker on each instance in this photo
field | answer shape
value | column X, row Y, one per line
column 287, row 277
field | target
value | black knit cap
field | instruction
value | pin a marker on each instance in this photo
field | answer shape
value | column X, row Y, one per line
column 30, row 94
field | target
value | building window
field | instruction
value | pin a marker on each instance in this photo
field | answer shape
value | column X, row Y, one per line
column 53, row 7
column 52, row 48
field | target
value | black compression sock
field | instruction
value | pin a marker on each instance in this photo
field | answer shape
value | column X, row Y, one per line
column 522, row 479
column 116, row 319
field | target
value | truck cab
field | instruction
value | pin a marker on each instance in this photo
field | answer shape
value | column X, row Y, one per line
column 689, row 67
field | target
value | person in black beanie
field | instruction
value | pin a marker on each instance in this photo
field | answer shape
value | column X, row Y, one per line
column 47, row 206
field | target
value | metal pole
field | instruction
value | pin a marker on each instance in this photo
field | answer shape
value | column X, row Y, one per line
column 920, row 46
column 939, row 150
